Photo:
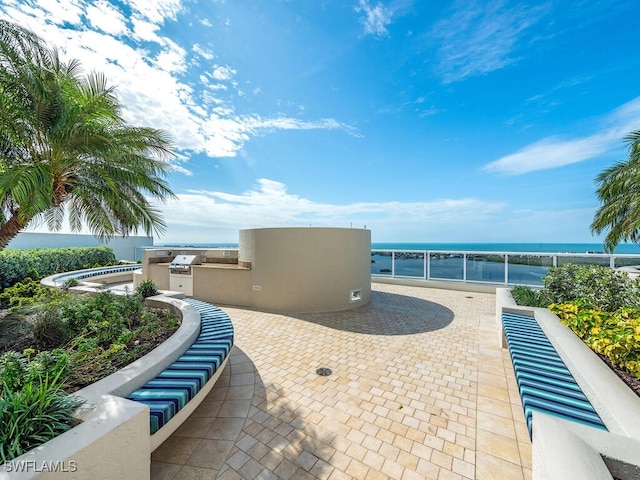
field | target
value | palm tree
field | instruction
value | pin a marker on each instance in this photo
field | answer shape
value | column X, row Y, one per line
column 64, row 148
column 619, row 194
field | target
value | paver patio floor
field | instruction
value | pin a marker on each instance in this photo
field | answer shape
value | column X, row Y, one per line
column 419, row 389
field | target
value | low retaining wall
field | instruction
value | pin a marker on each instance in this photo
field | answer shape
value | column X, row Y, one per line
column 567, row 450
column 113, row 440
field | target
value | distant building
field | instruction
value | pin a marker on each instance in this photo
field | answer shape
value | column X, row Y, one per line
column 128, row 248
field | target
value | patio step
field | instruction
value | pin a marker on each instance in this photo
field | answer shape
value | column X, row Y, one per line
column 544, row 381
column 173, row 388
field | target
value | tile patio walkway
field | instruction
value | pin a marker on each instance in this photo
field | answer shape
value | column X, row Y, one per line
column 420, row 389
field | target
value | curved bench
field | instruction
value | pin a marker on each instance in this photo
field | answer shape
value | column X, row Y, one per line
column 544, row 381
column 190, row 377
column 179, row 387
column 58, row 279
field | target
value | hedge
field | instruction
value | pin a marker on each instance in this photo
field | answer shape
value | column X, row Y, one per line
column 16, row 265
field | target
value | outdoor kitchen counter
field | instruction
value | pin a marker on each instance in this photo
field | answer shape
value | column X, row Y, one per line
column 233, row 266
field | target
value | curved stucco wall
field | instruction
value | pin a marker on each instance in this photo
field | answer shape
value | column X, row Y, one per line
column 307, row 269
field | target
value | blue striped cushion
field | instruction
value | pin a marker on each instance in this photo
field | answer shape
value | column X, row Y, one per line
column 182, row 380
column 544, row 381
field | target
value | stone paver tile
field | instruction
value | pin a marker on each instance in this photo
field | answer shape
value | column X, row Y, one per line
column 207, row 409
column 449, row 475
column 286, row 469
column 321, row 470
column 357, row 470
column 195, row 427
column 251, row 469
column 340, row 460
column 238, row 459
column 188, row 472
column 240, row 392
column 306, row 460
column 463, row 468
column 228, row 474
column 176, row 450
column 497, row 407
column 525, row 454
column 210, row 453
column 225, row 429
column 164, row 471
column 489, row 467
column 339, row 475
column 235, row 408
column 498, row 446
column 373, row 460
column 497, row 424
column 258, row 450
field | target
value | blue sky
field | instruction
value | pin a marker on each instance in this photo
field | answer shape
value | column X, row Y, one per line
column 425, row 121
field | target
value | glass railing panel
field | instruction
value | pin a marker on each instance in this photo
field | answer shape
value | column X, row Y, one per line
column 626, row 261
column 409, row 264
column 446, row 266
column 602, row 260
column 381, row 263
column 485, row 267
column 528, row 269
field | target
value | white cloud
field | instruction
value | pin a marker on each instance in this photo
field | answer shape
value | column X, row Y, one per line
column 375, row 18
column 481, row 37
column 552, row 152
column 223, row 72
column 60, row 11
column 156, row 84
column 156, row 11
column 107, row 18
column 269, row 204
column 203, row 52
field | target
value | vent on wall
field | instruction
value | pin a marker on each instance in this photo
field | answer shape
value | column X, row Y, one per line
column 355, row 295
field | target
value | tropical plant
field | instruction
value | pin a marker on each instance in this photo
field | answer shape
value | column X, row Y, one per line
column 65, row 148
column 524, row 295
column 147, row 288
column 594, row 285
column 619, row 194
column 615, row 335
column 33, row 407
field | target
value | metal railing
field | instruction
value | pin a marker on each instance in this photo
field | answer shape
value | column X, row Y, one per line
column 496, row 268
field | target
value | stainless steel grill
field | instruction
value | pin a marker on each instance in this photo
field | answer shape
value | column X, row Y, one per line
column 182, row 263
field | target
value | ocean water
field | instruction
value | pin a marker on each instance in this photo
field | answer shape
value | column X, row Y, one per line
column 510, row 247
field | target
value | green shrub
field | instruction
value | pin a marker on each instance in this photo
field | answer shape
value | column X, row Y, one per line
column 596, row 286
column 527, row 296
column 34, row 414
column 49, row 329
column 615, row 335
column 19, row 369
column 147, row 288
column 25, row 293
column 72, row 282
column 16, row 265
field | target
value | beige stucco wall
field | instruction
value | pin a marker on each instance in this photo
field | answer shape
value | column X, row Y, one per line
column 222, row 286
column 307, row 269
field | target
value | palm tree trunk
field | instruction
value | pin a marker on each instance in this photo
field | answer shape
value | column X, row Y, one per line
column 10, row 229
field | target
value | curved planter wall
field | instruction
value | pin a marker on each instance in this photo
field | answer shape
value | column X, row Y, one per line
column 113, row 440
